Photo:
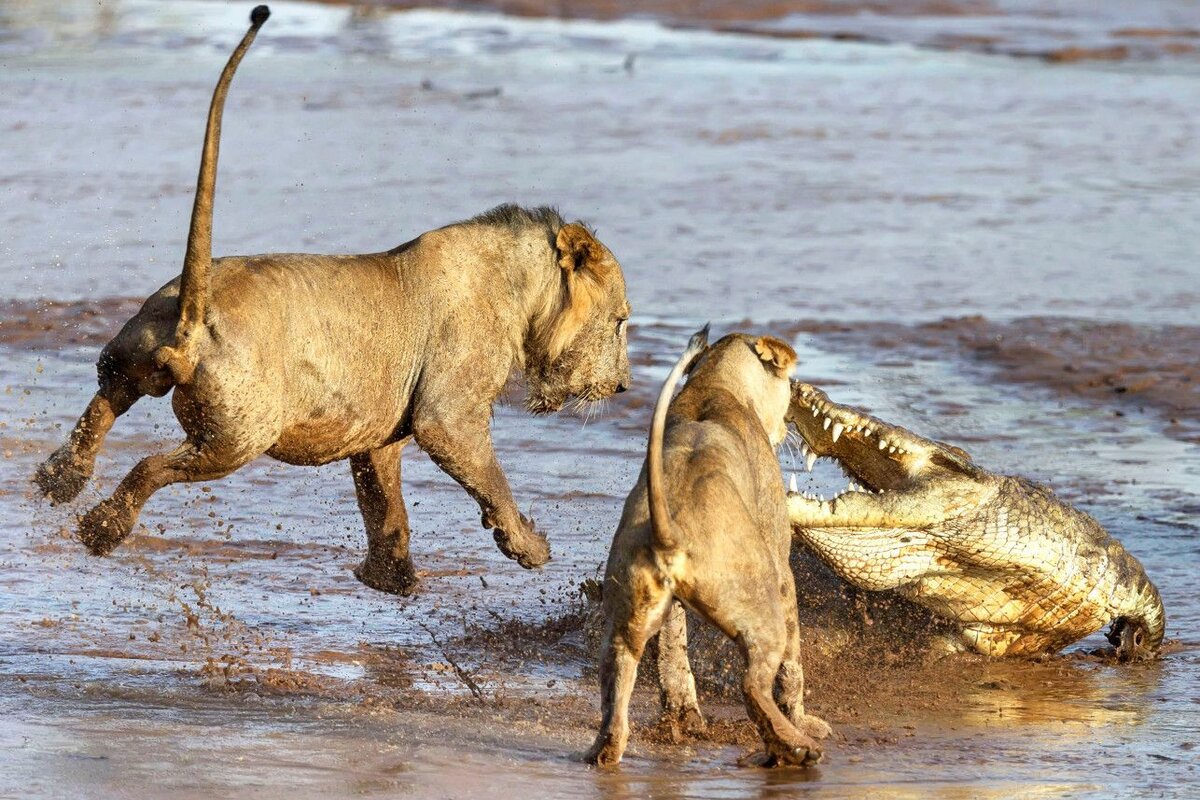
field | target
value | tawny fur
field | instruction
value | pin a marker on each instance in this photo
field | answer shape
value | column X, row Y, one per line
column 315, row 358
column 706, row 527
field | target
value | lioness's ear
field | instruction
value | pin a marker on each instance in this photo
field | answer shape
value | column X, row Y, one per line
column 578, row 250
column 776, row 354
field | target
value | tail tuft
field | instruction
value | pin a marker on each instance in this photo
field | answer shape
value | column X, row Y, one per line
column 259, row 15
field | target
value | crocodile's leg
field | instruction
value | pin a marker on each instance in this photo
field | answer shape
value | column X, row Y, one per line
column 989, row 640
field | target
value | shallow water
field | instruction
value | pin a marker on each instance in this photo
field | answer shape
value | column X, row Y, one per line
column 746, row 180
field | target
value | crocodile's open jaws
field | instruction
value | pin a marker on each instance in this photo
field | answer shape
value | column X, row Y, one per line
column 1017, row 569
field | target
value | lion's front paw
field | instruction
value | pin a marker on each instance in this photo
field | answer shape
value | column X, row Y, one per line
column 62, row 476
column 527, row 547
column 393, row 576
column 105, row 527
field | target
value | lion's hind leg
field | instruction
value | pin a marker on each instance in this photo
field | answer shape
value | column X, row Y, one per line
column 126, row 373
column 108, row 523
column 62, row 476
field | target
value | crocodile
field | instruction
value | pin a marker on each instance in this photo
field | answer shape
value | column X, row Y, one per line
column 1016, row 570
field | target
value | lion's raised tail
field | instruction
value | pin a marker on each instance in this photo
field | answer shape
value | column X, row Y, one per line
column 180, row 359
column 662, row 535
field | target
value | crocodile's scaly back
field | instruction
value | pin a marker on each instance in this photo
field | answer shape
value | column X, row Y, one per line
column 1021, row 571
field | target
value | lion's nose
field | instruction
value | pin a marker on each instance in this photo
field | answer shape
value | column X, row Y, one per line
column 621, row 387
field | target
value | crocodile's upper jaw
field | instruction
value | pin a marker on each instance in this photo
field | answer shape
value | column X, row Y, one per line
column 878, row 456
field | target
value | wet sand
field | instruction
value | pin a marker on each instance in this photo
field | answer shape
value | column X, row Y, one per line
column 857, row 200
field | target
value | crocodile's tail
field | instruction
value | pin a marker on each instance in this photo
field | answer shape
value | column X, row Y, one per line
column 180, row 359
column 661, row 534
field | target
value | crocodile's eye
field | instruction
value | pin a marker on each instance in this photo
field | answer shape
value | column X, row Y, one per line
column 621, row 323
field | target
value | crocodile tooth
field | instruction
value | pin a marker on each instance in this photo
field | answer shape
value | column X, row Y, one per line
column 883, row 444
column 809, row 461
column 792, row 483
column 827, row 423
column 816, row 411
column 837, row 430
column 891, row 449
column 803, row 448
column 822, row 497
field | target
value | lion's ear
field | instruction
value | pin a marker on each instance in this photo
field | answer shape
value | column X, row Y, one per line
column 776, row 354
column 578, row 250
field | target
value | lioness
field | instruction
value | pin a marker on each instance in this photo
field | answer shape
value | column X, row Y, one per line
column 316, row 358
column 707, row 525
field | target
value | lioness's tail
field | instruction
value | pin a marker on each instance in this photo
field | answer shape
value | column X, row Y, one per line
column 197, row 262
column 662, row 536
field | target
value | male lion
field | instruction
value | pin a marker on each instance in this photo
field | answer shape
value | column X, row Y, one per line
column 315, row 358
column 707, row 525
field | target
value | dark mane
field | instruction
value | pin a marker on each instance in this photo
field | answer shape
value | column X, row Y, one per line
column 511, row 215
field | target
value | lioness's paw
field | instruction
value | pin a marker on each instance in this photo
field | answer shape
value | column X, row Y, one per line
column 803, row 754
column 814, row 727
column 683, row 722
column 605, row 752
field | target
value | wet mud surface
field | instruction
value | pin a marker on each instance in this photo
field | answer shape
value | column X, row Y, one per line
column 233, row 609
column 958, row 243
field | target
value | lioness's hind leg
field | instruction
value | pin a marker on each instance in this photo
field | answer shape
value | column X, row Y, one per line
column 624, row 642
column 789, row 687
column 107, row 525
column 388, row 566
column 785, row 744
column 62, row 476
column 677, row 685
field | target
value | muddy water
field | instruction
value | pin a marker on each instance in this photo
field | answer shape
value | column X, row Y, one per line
column 761, row 183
